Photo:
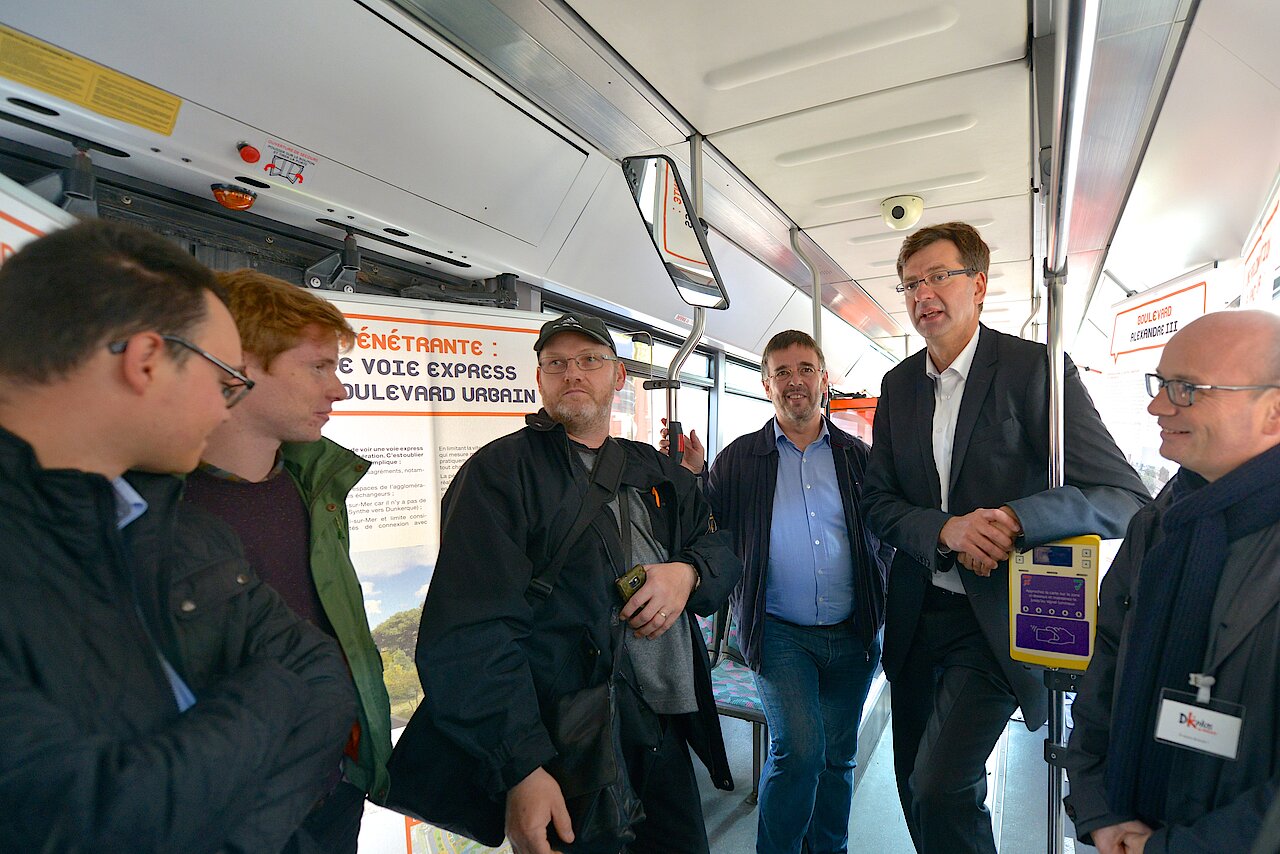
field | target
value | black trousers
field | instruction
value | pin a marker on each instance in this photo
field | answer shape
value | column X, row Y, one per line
column 668, row 789
column 950, row 703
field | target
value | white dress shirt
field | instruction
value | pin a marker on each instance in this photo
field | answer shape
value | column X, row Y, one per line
column 948, row 391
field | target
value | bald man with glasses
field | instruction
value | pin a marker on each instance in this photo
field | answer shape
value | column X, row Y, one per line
column 1176, row 745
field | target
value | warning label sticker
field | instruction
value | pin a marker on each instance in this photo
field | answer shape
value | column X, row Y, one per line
column 288, row 161
column 42, row 66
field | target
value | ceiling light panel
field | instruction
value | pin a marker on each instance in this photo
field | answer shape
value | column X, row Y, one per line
column 726, row 64
column 951, row 140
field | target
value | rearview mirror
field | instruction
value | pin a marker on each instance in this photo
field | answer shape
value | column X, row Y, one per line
column 678, row 235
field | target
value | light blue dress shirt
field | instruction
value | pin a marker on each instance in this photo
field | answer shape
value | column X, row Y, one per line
column 129, row 507
column 810, row 562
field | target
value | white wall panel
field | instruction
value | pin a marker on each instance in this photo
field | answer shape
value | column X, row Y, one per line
column 338, row 81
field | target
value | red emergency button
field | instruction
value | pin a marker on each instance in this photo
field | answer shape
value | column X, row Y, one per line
column 248, row 153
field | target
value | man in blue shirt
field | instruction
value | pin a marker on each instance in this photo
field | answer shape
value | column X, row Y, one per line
column 811, row 600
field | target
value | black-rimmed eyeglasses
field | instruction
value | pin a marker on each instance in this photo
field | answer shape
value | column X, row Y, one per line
column 232, row 392
column 585, row 362
column 1183, row 393
column 933, row 280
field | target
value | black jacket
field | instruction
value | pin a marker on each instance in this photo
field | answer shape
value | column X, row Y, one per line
column 490, row 657
column 741, row 487
column 95, row 755
column 1000, row 455
column 1214, row 804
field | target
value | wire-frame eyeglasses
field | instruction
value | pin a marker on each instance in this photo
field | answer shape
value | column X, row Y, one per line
column 232, row 392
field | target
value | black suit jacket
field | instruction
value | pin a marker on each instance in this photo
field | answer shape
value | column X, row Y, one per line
column 999, row 456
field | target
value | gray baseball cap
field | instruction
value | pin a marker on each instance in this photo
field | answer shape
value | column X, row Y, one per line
column 583, row 324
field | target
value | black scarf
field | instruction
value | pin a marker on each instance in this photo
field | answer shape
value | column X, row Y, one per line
column 1170, row 626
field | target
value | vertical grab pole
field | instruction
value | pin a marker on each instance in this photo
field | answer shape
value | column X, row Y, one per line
column 1075, row 29
column 1054, row 677
column 675, row 431
column 699, row 313
column 817, row 284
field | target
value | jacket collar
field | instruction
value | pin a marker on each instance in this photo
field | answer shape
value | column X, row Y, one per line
column 764, row 441
column 314, row 465
column 543, row 422
column 57, row 495
column 641, row 470
column 76, row 503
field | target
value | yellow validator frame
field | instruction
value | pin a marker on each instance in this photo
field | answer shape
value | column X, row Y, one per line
column 1053, row 603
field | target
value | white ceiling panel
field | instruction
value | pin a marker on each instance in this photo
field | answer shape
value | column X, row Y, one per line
column 950, row 140
column 1247, row 29
column 201, row 151
column 728, row 63
column 1207, row 171
column 867, row 248
column 756, row 296
column 797, row 313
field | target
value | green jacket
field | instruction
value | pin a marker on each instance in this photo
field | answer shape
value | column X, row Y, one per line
column 325, row 472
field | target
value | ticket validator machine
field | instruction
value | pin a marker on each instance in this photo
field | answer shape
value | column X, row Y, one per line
column 1053, row 603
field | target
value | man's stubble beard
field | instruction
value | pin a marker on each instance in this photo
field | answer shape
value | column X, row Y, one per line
column 583, row 417
column 812, row 406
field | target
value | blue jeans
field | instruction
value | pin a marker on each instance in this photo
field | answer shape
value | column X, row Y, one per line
column 812, row 683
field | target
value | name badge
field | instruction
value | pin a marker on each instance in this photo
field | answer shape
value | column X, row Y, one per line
column 1212, row 728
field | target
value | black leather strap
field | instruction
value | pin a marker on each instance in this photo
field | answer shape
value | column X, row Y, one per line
column 606, row 476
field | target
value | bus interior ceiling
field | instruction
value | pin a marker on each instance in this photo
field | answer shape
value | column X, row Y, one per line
column 485, row 134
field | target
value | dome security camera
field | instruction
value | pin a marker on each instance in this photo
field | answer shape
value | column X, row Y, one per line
column 901, row 212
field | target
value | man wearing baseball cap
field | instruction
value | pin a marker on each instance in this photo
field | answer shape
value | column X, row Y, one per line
column 503, row 639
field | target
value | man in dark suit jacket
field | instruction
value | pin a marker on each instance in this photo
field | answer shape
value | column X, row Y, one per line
column 973, row 405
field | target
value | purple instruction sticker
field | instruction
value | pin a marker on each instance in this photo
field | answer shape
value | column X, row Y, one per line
column 1050, row 617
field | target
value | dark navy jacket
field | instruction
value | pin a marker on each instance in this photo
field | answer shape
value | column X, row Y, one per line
column 96, row 756
column 741, row 486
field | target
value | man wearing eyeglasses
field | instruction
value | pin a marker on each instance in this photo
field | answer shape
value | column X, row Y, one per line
column 1176, row 746
column 271, row 476
column 155, row 695
column 958, row 479
column 811, row 601
column 500, row 644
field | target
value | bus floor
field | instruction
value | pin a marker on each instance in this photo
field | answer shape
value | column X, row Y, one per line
column 1016, row 796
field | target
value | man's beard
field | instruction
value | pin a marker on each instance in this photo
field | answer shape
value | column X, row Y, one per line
column 582, row 416
column 801, row 411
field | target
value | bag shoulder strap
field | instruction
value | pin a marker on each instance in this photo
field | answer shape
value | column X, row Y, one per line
column 606, row 477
